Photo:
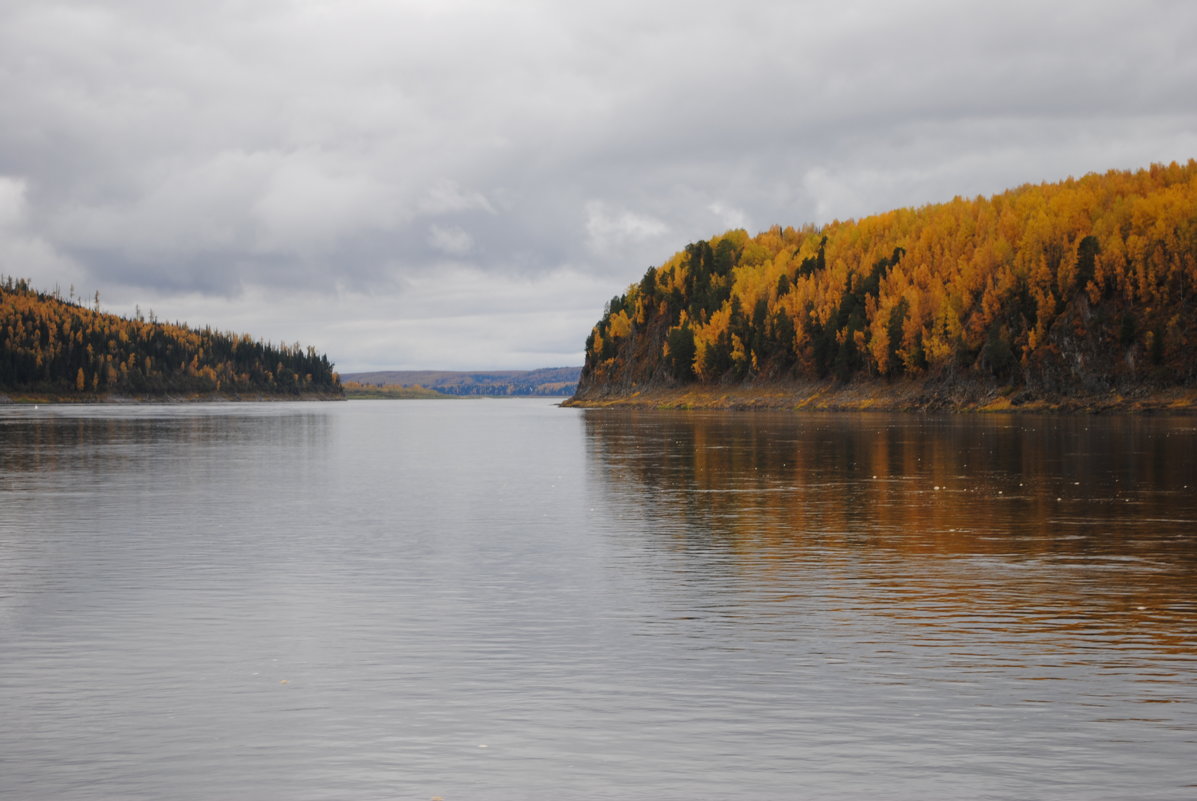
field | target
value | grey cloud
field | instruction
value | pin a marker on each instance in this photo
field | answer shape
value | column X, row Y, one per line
column 248, row 150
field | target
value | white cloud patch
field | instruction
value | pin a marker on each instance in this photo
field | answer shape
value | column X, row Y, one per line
column 730, row 216
column 608, row 227
column 12, row 203
column 446, row 196
column 450, row 239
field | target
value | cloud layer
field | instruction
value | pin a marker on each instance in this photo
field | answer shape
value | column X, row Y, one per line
column 463, row 184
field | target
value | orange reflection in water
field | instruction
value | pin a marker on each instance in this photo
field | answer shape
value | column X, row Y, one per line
column 1064, row 522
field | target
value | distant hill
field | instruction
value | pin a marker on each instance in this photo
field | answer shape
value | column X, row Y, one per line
column 356, row 391
column 547, row 381
column 1051, row 292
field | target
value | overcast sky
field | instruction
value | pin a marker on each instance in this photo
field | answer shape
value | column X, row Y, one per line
column 462, row 185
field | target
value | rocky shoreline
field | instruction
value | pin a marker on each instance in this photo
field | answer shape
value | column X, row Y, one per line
column 882, row 395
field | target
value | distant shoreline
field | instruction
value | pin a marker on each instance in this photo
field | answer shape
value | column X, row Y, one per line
column 27, row 399
column 882, row 395
column 547, row 382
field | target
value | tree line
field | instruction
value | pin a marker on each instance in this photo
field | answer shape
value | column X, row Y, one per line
column 1085, row 283
column 58, row 346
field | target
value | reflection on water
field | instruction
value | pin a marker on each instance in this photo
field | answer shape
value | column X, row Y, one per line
column 350, row 600
column 1036, row 575
column 764, row 488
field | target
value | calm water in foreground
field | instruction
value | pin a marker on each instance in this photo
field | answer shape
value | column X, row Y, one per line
column 508, row 600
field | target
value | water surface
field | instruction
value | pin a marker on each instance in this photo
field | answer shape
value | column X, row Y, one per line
column 504, row 599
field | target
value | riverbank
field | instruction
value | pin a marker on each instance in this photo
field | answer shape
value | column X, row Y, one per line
column 28, row 398
column 881, row 395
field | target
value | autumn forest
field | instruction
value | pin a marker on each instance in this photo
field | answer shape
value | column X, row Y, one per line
column 1087, row 285
column 59, row 347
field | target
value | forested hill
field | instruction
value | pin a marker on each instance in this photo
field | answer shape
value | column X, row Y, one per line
column 1086, row 286
column 60, row 348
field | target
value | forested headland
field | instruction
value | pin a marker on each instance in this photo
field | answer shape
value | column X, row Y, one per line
column 1077, row 294
column 61, row 349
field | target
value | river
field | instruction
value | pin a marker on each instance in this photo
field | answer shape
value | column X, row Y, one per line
column 503, row 599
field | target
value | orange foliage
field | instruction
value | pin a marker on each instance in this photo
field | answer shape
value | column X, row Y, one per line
column 1089, row 280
